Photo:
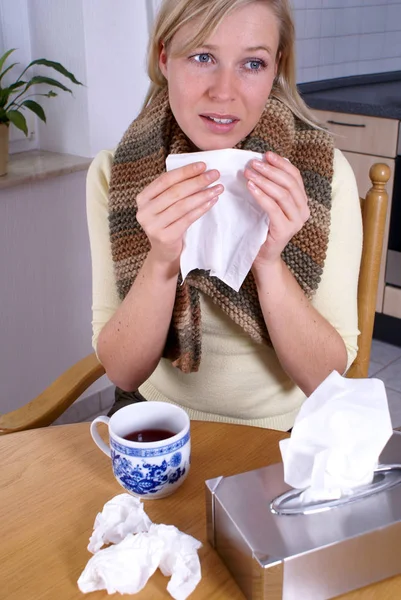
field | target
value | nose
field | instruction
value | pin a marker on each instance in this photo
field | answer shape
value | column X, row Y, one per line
column 223, row 85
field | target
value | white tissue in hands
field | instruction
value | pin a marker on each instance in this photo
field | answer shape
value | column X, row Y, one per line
column 123, row 514
column 337, row 438
column 226, row 239
column 140, row 547
column 124, row 567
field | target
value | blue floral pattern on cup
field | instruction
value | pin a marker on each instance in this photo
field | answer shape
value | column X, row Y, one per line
column 151, row 452
column 146, row 478
column 175, row 460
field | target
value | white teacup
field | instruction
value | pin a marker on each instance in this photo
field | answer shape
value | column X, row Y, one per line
column 147, row 469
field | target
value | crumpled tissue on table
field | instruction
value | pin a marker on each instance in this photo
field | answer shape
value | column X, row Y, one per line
column 226, row 239
column 120, row 516
column 337, row 438
column 140, row 547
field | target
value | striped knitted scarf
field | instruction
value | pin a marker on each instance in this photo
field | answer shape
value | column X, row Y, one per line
column 140, row 158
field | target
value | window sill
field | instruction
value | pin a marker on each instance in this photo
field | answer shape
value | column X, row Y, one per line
column 39, row 165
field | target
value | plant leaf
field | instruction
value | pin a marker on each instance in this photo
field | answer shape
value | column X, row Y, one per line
column 5, row 56
column 18, row 119
column 35, row 108
column 48, row 81
column 54, row 65
column 16, row 85
column 4, row 95
column 8, row 69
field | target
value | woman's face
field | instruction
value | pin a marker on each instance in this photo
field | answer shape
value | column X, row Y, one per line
column 218, row 91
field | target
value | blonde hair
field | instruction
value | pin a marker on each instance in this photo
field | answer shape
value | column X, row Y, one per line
column 173, row 14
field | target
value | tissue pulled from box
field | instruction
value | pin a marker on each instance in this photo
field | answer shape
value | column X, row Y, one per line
column 138, row 548
column 227, row 238
column 337, row 438
column 121, row 515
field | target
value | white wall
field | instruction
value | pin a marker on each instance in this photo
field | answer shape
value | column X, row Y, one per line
column 116, row 37
column 45, row 300
column 45, row 274
column 337, row 38
column 104, row 44
column 15, row 33
column 58, row 33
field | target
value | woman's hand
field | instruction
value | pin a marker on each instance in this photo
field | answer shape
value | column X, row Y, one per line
column 171, row 203
column 278, row 188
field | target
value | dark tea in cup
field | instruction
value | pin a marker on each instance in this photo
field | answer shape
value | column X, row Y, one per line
column 149, row 435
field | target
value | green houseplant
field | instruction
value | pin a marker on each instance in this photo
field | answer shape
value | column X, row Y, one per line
column 17, row 96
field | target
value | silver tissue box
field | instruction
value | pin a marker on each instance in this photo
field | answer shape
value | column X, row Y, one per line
column 280, row 549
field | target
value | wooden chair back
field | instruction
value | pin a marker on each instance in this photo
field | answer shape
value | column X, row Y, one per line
column 374, row 212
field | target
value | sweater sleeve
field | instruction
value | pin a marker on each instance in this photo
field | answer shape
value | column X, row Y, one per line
column 105, row 299
column 336, row 297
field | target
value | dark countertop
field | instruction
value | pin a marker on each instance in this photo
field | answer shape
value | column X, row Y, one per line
column 378, row 95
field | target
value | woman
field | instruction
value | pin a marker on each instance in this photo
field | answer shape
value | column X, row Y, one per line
column 222, row 75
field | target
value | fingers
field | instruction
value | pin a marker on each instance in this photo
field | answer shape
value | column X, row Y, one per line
column 278, row 219
column 185, row 189
column 184, row 196
column 175, row 230
column 185, row 220
column 170, row 178
column 196, row 202
column 292, row 202
column 176, row 184
column 283, row 185
column 284, row 165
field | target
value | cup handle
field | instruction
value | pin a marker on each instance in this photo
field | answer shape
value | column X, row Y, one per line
column 96, row 437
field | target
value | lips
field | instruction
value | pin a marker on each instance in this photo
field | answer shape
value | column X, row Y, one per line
column 219, row 123
column 225, row 118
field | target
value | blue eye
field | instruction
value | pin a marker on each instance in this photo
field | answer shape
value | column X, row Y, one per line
column 255, row 65
column 203, row 58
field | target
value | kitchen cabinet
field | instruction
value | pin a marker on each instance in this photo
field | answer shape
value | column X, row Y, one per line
column 365, row 140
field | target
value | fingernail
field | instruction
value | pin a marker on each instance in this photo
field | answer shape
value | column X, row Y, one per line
column 199, row 166
column 252, row 186
column 215, row 191
column 213, row 201
column 259, row 164
column 212, row 175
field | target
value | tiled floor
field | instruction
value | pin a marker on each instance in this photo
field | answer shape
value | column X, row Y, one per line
column 385, row 364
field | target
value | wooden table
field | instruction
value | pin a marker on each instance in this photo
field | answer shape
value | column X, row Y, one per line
column 54, row 481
